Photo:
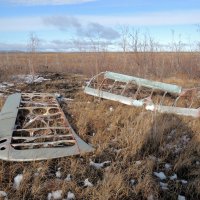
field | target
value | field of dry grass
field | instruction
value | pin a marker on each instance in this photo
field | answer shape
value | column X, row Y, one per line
column 139, row 144
column 157, row 65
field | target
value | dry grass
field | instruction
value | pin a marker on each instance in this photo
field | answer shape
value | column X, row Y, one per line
column 157, row 65
column 122, row 135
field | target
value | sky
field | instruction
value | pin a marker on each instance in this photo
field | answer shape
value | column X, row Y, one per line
column 80, row 25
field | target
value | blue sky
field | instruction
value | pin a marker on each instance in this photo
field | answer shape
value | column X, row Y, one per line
column 63, row 24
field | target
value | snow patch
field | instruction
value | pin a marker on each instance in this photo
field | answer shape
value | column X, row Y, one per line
column 17, row 181
column 55, row 195
column 168, row 166
column 3, row 194
column 111, row 109
column 160, row 175
column 30, row 78
column 138, row 162
column 180, row 197
column 164, row 186
column 174, row 177
column 87, row 183
column 58, row 173
column 150, row 107
column 183, row 181
column 70, row 196
column 68, row 178
column 132, row 181
column 99, row 165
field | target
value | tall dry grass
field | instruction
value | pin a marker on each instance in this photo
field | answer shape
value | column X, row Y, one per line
column 144, row 64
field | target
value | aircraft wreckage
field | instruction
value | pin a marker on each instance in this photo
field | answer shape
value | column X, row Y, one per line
column 34, row 127
column 153, row 95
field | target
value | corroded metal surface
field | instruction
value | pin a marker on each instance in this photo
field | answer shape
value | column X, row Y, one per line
column 153, row 95
column 34, row 127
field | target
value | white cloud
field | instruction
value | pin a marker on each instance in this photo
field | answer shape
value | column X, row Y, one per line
column 11, row 24
column 177, row 17
column 46, row 2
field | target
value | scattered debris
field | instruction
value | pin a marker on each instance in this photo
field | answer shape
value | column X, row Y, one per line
column 17, row 181
column 99, row 165
column 41, row 129
column 160, row 175
column 155, row 96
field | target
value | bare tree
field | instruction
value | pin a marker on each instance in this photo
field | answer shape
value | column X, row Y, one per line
column 33, row 43
column 124, row 43
column 134, row 40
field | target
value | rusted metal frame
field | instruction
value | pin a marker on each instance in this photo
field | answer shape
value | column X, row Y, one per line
column 43, row 150
column 167, row 88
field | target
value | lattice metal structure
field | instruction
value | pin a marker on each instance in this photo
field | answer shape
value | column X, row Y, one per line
column 34, row 127
column 153, row 95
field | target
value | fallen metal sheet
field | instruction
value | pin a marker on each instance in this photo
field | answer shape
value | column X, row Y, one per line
column 34, row 127
column 154, row 95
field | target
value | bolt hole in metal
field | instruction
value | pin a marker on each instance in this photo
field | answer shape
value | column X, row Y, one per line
column 37, row 98
column 2, row 141
column 39, row 111
column 3, row 148
column 53, row 110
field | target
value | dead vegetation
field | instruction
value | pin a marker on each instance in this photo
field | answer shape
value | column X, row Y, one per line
column 149, row 65
column 138, row 143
